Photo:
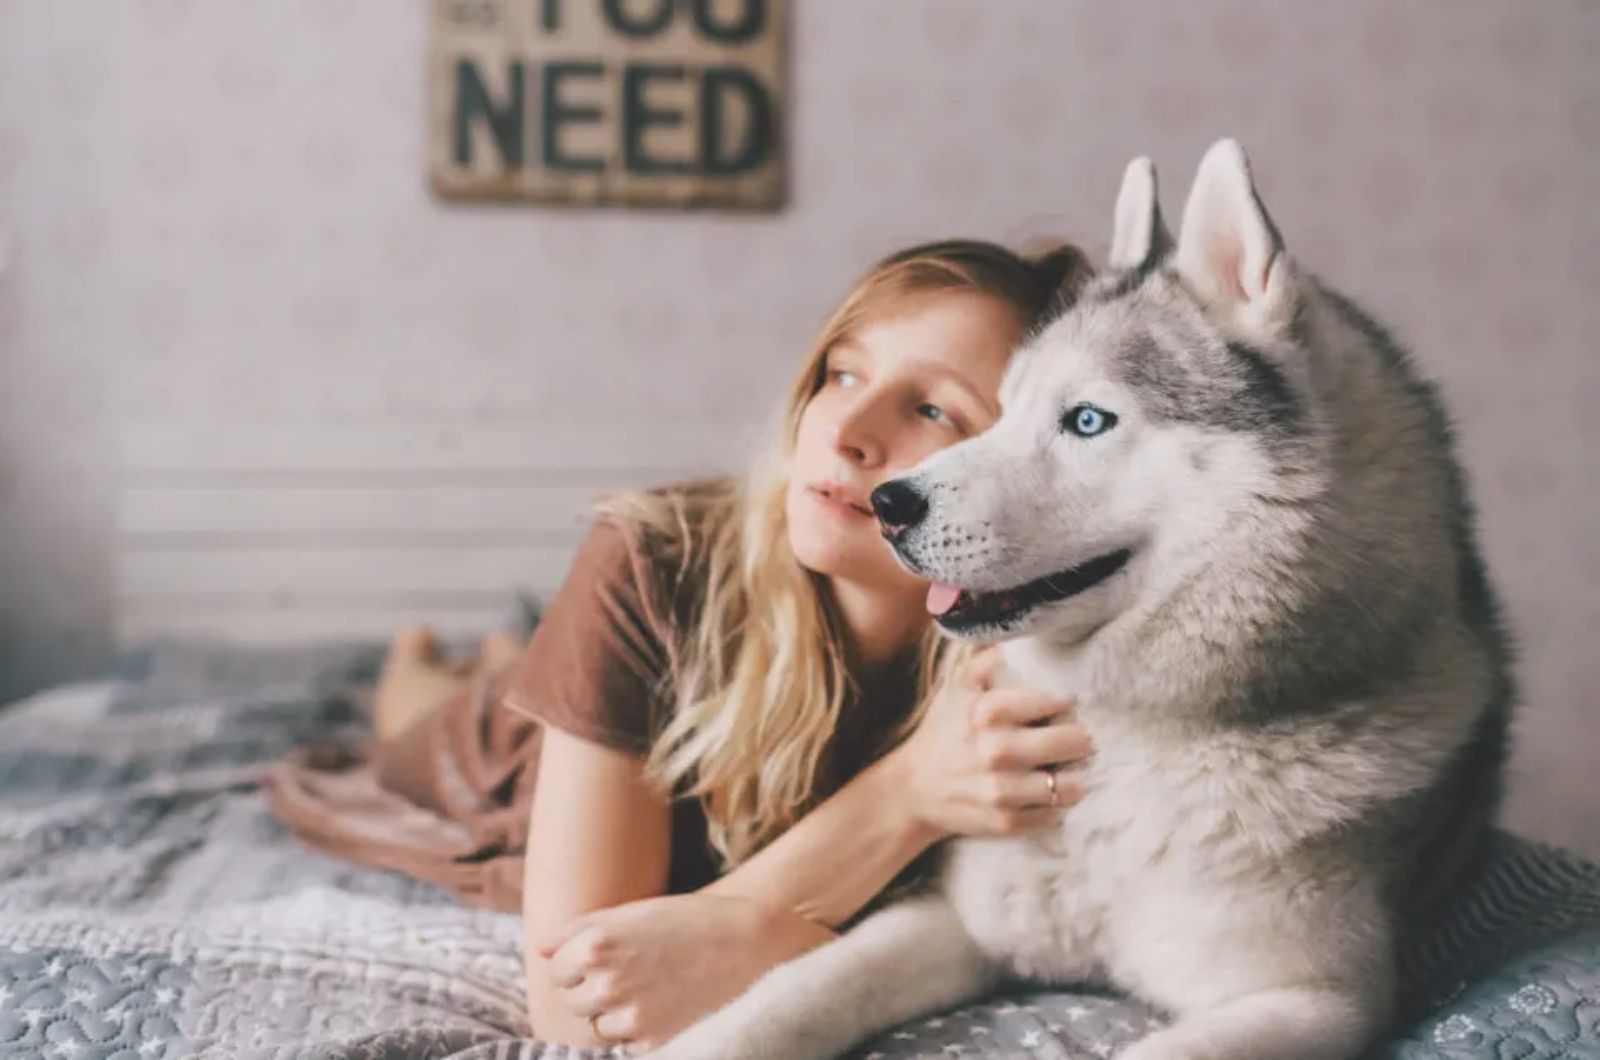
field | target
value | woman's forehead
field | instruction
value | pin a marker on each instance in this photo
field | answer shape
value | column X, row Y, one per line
column 963, row 331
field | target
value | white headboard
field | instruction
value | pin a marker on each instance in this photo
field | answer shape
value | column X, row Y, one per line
column 295, row 531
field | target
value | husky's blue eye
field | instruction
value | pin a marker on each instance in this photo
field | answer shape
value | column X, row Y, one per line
column 1086, row 421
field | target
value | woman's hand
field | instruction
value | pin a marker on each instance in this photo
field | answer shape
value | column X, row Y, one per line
column 979, row 762
column 649, row 969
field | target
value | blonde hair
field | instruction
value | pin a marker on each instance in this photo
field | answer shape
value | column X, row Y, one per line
column 758, row 672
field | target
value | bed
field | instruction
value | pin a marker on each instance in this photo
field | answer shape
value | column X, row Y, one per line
column 149, row 906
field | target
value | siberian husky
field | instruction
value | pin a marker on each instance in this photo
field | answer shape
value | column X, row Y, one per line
column 1221, row 511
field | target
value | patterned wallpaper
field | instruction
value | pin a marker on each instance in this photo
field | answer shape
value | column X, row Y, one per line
column 213, row 213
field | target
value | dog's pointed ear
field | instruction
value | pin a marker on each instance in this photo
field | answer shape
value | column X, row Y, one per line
column 1229, row 252
column 1140, row 236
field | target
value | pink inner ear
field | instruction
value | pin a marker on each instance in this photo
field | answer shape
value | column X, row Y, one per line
column 1226, row 255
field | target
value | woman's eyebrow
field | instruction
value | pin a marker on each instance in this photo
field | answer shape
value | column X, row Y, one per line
column 852, row 344
column 849, row 343
column 961, row 381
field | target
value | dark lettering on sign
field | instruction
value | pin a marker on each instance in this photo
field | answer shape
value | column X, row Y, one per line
column 717, row 157
column 557, row 113
column 640, row 101
column 751, row 21
column 478, row 14
column 638, row 115
column 505, row 121
column 624, row 23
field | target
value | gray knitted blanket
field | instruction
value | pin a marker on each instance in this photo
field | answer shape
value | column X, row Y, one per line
column 149, row 907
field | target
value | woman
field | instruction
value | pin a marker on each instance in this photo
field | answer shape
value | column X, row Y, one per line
column 743, row 724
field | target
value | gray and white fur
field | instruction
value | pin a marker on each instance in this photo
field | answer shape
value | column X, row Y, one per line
column 1297, row 685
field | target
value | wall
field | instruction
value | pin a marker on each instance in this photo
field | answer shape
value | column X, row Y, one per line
column 214, row 227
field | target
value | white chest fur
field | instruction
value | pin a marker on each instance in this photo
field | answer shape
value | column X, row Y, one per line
column 1064, row 903
column 1145, row 884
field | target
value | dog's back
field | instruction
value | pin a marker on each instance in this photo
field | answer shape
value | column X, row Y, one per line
column 1441, row 833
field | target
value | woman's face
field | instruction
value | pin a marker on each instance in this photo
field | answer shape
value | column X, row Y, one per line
column 893, row 392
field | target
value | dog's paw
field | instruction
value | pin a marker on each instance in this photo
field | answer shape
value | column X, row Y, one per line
column 700, row 1047
column 708, row 1039
column 714, row 1039
column 1162, row 1045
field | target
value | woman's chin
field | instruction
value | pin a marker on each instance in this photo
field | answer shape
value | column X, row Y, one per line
column 833, row 554
column 822, row 557
column 865, row 562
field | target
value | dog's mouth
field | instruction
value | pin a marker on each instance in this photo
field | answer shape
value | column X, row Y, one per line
column 958, row 610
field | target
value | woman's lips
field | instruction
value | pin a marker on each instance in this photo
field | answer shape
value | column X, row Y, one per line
column 838, row 507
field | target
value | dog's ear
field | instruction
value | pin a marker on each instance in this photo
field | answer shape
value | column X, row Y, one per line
column 1229, row 252
column 1140, row 237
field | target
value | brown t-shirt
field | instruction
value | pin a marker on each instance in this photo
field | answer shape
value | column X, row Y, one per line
column 448, row 800
column 598, row 667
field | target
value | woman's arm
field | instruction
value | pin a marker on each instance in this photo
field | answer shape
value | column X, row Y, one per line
column 598, row 836
column 829, row 864
column 971, row 767
column 599, row 840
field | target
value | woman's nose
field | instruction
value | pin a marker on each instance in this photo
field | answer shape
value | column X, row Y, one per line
column 856, row 439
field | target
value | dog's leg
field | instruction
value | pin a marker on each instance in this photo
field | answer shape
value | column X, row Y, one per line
column 911, row 958
column 1284, row 1023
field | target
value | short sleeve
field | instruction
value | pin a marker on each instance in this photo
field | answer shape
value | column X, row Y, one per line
column 596, row 663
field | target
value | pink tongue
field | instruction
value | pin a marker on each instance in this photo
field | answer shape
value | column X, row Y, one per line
column 942, row 598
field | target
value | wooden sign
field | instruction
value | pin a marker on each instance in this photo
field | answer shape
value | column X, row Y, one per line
column 644, row 102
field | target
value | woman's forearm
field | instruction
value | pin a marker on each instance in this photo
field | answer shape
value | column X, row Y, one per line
column 829, row 864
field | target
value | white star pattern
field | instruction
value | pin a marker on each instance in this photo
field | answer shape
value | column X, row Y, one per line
column 904, row 1036
column 150, row 1048
column 1032, row 1040
column 54, row 967
column 165, row 995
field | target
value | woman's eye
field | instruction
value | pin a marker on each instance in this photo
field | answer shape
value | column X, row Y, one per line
column 842, row 376
column 1086, row 421
column 935, row 413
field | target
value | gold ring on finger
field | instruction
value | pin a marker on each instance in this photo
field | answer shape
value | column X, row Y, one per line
column 594, row 1024
column 1055, row 797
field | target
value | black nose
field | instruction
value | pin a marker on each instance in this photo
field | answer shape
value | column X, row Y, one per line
column 898, row 505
